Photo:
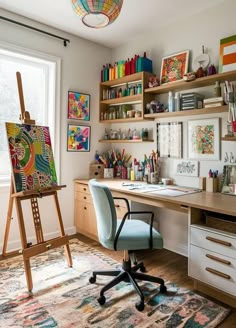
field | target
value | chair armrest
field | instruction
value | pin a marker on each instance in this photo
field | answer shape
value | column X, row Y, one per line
column 127, row 214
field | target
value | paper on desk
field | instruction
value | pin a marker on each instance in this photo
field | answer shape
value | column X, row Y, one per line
column 173, row 191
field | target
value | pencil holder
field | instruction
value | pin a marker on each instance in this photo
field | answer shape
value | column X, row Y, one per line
column 211, row 184
column 108, row 173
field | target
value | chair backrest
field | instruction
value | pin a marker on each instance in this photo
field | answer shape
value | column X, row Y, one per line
column 105, row 212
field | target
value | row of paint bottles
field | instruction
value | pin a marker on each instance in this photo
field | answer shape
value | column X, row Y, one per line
column 121, row 68
column 173, row 102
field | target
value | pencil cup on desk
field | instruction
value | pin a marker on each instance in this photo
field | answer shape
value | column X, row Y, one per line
column 154, row 177
column 108, row 173
column 211, row 184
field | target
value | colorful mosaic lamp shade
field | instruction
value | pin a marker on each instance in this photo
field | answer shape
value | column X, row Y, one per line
column 97, row 13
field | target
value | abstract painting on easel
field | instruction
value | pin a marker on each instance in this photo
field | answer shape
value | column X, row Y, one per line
column 31, row 156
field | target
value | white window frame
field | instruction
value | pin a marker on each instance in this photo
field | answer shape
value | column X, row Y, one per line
column 53, row 103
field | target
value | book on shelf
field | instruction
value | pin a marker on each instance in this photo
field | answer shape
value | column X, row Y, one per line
column 215, row 104
column 213, row 100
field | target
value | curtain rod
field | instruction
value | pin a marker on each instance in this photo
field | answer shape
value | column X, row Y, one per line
column 36, row 29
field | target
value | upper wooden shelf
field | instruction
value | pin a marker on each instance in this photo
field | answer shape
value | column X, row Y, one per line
column 200, row 82
column 122, row 100
column 126, row 79
column 227, row 138
column 125, row 141
column 212, row 110
column 126, row 120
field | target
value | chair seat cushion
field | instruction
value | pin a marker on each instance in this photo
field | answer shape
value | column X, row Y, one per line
column 135, row 235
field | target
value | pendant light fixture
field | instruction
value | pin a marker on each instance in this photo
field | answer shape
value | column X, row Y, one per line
column 97, row 13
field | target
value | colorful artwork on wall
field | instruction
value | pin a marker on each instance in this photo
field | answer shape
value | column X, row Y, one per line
column 204, row 139
column 78, row 106
column 78, row 138
column 227, row 54
column 174, row 67
column 31, row 156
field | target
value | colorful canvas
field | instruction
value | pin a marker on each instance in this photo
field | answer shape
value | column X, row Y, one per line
column 174, row 67
column 31, row 156
column 78, row 138
column 63, row 297
column 203, row 136
column 78, row 106
column 227, row 54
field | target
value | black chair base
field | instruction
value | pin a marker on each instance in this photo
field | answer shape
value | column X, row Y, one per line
column 127, row 274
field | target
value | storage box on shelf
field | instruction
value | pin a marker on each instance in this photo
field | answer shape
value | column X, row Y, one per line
column 183, row 85
column 123, row 99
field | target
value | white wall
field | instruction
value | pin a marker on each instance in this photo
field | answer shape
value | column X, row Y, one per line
column 81, row 62
column 205, row 29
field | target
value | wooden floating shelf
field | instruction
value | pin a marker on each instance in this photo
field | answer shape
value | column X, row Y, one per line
column 198, row 83
column 124, row 100
column 228, row 138
column 125, row 141
column 126, row 120
column 202, row 111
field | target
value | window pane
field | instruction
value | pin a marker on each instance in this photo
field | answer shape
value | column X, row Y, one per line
column 35, row 83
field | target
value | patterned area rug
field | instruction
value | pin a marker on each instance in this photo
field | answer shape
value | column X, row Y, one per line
column 63, row 297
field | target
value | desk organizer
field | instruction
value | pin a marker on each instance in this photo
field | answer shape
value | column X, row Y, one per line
column 96, row 171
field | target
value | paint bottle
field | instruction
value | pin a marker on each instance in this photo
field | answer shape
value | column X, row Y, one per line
column 171, row 102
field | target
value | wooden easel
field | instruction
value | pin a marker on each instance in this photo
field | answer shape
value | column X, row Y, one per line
column 29, row 250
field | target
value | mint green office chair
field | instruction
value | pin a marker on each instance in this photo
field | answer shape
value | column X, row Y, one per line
column 127, row 234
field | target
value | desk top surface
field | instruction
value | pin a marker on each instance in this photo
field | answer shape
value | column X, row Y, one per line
column 215, row 202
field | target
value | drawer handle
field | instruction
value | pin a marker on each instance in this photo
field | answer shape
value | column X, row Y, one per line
column 84, row 189
column 218, row 241
column 218, row 259
column 218, row 273
column 85, row 197
column 116, row 205
column 85, row 208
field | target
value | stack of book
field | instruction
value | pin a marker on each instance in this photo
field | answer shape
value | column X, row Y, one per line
column 213, row 102
column 191, row 100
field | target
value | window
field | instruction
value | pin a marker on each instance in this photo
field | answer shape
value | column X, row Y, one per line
column 39, row 75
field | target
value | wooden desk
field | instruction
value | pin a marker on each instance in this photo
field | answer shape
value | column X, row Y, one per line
column 212, row 249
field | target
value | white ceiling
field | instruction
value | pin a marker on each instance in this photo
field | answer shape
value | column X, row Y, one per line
column 137, row 16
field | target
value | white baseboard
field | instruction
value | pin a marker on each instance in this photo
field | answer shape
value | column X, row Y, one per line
column 16, row 244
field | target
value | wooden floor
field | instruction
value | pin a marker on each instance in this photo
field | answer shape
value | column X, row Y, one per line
column 165, row 264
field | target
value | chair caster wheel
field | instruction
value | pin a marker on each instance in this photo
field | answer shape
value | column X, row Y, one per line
column 140, row 306
column 102, row 300
column 92, row 279
column 163, row 289
column 142, row 268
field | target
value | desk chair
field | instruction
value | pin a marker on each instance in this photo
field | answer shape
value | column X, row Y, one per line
column 126, row 234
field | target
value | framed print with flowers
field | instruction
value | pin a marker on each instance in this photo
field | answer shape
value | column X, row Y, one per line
column 174, row 67
column 204, row 139
column 78, row 138
column 78, row 106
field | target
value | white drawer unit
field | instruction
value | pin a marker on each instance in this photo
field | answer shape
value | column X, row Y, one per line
column 217, row 241
column 213, row 269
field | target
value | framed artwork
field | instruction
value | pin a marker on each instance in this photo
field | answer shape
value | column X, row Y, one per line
column 31, row 156
column 174, row 67
column 78, row 106
column 169, row 139
column 187, row 168
column 227, row 60
column 204, row 139
column 78, row 138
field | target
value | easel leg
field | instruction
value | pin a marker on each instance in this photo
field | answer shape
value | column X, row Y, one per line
column 8, row 222
column 67, row 249
column 24, row 244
